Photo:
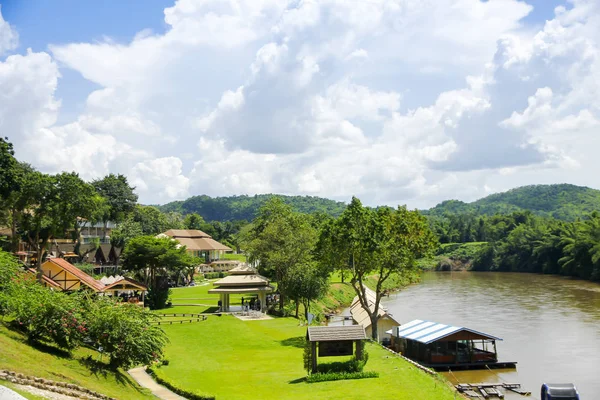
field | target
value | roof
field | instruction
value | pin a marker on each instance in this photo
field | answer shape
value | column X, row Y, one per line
column 85, row 278
column 186, row 233
column 124, row 281
column 360, row 315
column 335, row 333
column 242, row 289
column 427, row 332
column 242, row 280
column 46, row 279
column 242, row 269
column 199, row 243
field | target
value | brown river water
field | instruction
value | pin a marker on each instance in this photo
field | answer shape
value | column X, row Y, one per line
column 550, row 324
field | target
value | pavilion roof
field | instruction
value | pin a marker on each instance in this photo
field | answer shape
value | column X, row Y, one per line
column 242, row 289
column 126, row 283
column 242, row 280
column 335, row 333
column 242, row 269
column 361, row 316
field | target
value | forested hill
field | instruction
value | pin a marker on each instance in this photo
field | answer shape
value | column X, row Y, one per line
column 565, row 202
column 246, row 207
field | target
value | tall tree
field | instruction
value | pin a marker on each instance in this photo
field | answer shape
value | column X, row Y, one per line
column 305, row 283
column 54, row 203
column 381, row 243
column 280, row 239
column 120, row 198
column 153, row 259
column 8, row 166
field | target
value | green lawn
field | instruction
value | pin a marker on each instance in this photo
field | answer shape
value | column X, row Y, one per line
column 235, row 359
column 50, row 363
column 232, row 256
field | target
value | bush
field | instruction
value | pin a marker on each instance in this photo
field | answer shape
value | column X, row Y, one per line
column 192, row 395
column 338, row 376
column 214, row 275
column 9, row 272
column 125, row 333
column 44, row 314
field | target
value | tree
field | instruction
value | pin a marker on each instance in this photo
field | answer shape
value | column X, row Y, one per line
column 193, row 221
column 280, row 240
column 151, row 220
column 125, row 332
column 153, row 259
column 120, row 198
column 53, row 205
column 305, row 283
column 381, row 243
column 8, row 165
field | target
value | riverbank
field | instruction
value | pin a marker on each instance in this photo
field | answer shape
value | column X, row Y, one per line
column 233, row 359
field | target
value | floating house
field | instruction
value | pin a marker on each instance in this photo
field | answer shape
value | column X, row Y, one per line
column 361, row 317
column 443, row 346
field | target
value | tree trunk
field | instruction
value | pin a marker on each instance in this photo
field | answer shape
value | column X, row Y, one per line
column 13, row 230
column 374, row 320
column 306, row 309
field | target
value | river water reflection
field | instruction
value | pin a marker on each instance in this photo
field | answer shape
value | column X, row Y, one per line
column 550, row 325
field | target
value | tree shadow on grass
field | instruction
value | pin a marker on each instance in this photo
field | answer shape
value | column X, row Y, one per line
column 49, row 349
column 296, row 381
column 99, row 368
column 297, row 341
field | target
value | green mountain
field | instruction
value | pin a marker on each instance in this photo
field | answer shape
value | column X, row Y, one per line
column 246, row 207
column 566, row 202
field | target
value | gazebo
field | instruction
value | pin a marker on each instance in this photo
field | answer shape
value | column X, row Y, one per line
column 335, row 341
column 242, row 280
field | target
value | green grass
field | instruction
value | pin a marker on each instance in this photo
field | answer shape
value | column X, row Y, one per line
column 232, row 256
column 51, row 363
column 235, row 359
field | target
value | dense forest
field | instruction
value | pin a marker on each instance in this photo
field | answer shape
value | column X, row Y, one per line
column 564, row 202
column 233, row 208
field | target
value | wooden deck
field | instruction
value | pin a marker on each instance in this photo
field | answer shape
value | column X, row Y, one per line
column 467, row 366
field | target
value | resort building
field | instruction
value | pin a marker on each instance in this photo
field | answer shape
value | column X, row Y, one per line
column 58, row 273
column 361, row 317
column 200, row 244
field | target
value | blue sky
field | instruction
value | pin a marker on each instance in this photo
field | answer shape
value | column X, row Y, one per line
column 395, row 101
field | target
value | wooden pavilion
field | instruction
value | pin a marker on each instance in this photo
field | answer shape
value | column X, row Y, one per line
column 335, row 341
column 242, row 280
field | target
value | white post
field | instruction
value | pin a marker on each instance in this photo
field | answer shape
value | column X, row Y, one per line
column 262, row 298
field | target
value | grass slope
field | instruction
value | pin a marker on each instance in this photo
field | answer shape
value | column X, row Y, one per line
column 50, row 363
column 235, row 359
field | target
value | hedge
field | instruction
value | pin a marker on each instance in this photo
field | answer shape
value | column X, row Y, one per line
column 338, row 376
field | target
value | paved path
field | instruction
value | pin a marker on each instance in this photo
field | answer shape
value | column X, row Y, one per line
column 8, row 394
column 141, row 376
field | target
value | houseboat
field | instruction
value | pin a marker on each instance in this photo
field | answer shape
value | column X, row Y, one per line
column 444, row 347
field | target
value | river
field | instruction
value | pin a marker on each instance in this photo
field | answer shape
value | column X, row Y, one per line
column 550, row 325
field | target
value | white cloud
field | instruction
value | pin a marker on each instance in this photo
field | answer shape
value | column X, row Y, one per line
column 9, row 38
column 392, row 100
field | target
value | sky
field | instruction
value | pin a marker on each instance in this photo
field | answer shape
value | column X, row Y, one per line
column 393, row 101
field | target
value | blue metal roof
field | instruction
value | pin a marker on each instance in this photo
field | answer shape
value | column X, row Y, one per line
column 427, row 332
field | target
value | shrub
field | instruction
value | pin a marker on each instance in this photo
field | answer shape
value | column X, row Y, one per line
column 124, row 332
column 214, row 275
column 44, row 314
column 338, row 376
column 192, row 395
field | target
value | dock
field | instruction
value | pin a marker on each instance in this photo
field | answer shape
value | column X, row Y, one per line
column 489, row 390
column 477, row 365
